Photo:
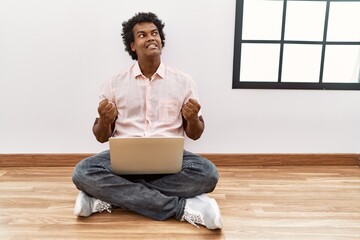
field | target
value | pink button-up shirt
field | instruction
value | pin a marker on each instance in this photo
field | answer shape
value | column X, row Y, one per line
column 149, row 107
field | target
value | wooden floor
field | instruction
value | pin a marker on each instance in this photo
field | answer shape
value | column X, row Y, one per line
column 256, row 203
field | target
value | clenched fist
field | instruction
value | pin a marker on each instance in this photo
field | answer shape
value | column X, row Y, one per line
column 107, row 111
column 190, row 110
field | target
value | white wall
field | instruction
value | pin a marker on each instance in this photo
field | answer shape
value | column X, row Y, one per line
column 54, row 56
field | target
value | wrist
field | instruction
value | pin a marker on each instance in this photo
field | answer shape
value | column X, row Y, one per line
column 193, row 120
column 103, row 122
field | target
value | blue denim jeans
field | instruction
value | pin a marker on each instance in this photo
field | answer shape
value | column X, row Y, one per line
column 155, row 196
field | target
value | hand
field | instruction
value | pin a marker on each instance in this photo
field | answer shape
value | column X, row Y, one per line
column 190, row 110
column 107, row 111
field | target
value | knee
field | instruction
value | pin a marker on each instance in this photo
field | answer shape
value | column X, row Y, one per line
column 210, row 176
column 89, row 169
column 78, row 175
column 213, row 175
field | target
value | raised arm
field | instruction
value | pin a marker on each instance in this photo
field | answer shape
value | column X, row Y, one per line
column 193, row 124
column 104, row 125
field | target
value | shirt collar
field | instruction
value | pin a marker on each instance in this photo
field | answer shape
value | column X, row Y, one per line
column 160, row 71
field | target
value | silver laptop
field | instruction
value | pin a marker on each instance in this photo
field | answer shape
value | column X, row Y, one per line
column 146, row 155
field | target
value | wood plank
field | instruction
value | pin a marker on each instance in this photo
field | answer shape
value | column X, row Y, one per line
column 293, row 202
column 70, row 159
column 351, row 159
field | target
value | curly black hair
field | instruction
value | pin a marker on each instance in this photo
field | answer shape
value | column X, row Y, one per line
column 128, row 35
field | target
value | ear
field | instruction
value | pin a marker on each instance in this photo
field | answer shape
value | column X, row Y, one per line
column 132, row 46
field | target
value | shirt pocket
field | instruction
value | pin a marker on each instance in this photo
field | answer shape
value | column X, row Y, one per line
column 168, row 110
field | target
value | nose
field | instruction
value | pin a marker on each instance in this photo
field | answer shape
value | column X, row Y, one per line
column 150, row 38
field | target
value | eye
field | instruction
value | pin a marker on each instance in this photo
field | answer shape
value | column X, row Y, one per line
column 155, row 33
column 141, row 35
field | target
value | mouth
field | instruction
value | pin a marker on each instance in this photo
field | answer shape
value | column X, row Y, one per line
column 152, row 46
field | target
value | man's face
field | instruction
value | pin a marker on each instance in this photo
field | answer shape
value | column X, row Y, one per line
column 147, row 40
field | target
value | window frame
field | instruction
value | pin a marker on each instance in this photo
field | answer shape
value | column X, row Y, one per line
column 238, row 41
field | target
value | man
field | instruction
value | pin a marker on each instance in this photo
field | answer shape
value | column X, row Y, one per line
column 149, row 99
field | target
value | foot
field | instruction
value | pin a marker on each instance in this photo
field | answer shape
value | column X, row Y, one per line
column 86, row 205
column 202, row 210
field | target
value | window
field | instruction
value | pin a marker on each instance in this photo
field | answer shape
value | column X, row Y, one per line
column 297, row 44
